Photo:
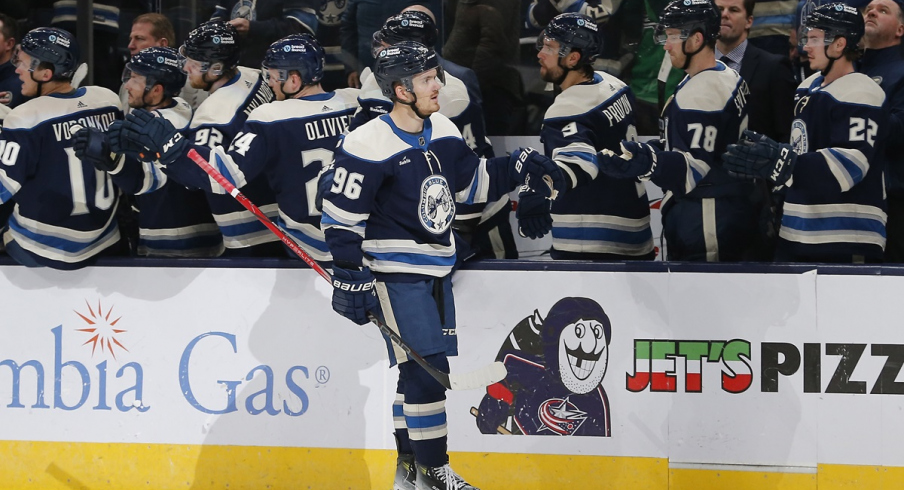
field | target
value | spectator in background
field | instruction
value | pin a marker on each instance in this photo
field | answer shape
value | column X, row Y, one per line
column 10, row 85
column 772, row 26
column 329, row 34
column 108, row 64
column 155, row 30
column 883, row 62
column 261, row 23
column 361, row 19
column 485, row 38
column 768, row 76
column 542, row 11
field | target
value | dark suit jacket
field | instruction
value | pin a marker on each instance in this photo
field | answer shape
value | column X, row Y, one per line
column 772, row 87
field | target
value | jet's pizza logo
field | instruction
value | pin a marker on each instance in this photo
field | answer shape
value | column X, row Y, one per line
column 656, row 365
column 103, row 331
column 555, row 370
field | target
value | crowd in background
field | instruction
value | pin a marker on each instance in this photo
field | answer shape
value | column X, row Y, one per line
column 496, row 39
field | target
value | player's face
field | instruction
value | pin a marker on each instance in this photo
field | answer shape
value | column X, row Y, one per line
column 141, row 38
column 674, row 46
column 735, row 20
column 135, row 87
column 192, row 68
column 426, row 87
column 815, row 47
column 882, row 20
column 29, row 85
column 548, row 57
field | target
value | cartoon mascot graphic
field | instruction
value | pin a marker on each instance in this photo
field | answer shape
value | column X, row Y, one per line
column 555, row 369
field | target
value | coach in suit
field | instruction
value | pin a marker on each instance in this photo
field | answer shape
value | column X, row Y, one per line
column 768, row 76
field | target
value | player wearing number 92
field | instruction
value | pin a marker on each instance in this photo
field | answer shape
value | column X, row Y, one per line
column 834, row 207
column 388, row 217
column 65, row 209
column 599, row 217
column 707, row 215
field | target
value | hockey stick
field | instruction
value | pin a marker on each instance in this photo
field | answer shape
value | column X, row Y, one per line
column 480, row 378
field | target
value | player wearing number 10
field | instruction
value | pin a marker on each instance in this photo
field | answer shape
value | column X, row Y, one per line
column 65, row 209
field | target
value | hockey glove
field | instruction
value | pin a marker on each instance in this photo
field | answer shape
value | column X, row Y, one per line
column 120, row 145
column 354, row 294
column 531, row 168
column 758, row 156
column 159, row 138
column 90, row 145
column 324, row 183
column 637, row 160
column 532, row 212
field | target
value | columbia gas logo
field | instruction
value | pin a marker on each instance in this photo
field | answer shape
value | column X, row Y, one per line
column 93, row 361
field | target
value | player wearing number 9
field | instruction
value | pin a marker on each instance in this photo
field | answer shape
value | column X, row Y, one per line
column 65, row 209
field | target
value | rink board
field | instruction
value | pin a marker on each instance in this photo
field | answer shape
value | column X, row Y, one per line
column 207, row 377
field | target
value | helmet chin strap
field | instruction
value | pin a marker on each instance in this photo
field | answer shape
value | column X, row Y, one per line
column 413, row 106
column 282, row 88
column 828, row 67
column 689, row 56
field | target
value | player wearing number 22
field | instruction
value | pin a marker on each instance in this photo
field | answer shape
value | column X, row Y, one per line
column 387, row 218
column 835, row 199
column 65, row 209
column 706, row 214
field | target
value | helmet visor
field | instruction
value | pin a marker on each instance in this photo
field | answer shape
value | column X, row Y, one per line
column 813, row 36
column 667, row 35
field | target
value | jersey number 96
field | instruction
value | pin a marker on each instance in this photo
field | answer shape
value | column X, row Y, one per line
column 347, row 183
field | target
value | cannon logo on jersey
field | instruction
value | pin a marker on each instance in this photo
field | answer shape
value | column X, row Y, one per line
column 555, row 366
column 799, row 139
column 437, row 209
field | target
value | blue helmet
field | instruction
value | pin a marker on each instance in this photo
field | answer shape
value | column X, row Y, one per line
column 213, row 42
column 401, row 62
column 689, row 16
column 411, row 25
column 573, row 31
column 54, row 46
column 298, row 52
column 158, row 65
column 836, row 20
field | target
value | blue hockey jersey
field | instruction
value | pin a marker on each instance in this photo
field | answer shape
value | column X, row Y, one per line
column 173, row 221
column 392, row 203
column 835, row 202
column 598, row 214
column 216, row 122
column 289, row 142
column 65, row 210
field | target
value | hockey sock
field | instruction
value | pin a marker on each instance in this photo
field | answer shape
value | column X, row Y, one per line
column 403, row 442
column 425, row 411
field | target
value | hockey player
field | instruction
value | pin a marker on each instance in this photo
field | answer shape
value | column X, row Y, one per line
column 599, row 217
column 484, row 227
column 211, row 53
column 835, row 203
column 172, row 221
column 287, row 141
column 706, row 214
column 65, row 209
column 387, row 220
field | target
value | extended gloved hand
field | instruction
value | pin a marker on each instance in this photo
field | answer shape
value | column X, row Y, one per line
column 159, row 138
column 533, row 213
column 637, row 160
column 120, row 145
column 533, row 169
column 354, row 294
column 324, row 183
column 90, row 145
column 756, row 155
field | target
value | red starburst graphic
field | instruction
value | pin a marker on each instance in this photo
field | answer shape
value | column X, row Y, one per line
column 102, row 329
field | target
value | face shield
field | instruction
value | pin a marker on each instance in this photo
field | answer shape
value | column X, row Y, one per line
column 545, row 45
column 422, row 80
column 17, row 60
column 188, row 62
column 813, row 36
column 668, row 35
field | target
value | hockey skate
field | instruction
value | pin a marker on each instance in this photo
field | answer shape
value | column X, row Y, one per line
column 405, row 473
column 440, row 478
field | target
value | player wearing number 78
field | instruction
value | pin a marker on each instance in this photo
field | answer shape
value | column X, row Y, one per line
column 65, row 209
column 706, row 214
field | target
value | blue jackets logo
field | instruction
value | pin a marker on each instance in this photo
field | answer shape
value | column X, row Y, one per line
column 437, row 209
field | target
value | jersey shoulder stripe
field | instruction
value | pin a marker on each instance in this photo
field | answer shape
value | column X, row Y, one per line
column 375, row 141
column 47, row 108
column 222, row 106
column 710, row 90
column 575, row 100
column 180, row 114
column 856, row 88
column 315, row 106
